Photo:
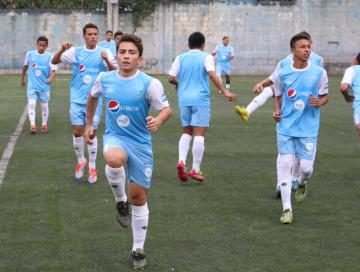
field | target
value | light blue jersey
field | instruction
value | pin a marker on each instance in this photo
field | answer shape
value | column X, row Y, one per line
column 127, row 103
column 352, row 78
column 194, row 87
column 316, row 59
column 39, row 70
column 86, row 64
column 224, row 53
column 298, row 117
column 109, row 45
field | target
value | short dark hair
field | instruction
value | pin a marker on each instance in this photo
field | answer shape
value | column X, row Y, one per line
column 42, row 39
column 306, row 33
column 89, row 25
column 196, row 40
column 297, row 37
column 109, row 31
column 225, row 37
column 133, row 39
column 358, row 58
column 118, row 33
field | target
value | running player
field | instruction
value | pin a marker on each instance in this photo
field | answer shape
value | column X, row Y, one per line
column 351, row 79
column 128, row 94
column 224, row 53
column 300, row 90
column 87, row 62
column 194, row 68
column 109, row 43
column 41, row 74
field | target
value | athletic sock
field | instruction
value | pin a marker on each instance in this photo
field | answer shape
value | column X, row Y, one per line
column 139, row 224
column 259, row 100
column 184, row 145
column 92, row 150
column 116, row 178
column 79, row 148
column 197, row 152
column 31, row 111
column 45, row 112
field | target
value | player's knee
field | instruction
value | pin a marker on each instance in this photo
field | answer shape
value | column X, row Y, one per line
column 114, row 159
column 285, row 161
column 306, row 168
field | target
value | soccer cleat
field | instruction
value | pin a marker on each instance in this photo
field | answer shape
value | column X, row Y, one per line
column 182, row 174
column 197, row 175
column 79, row 171
column 139, row 259
column 32, row 129
column 242, row 112
column 300, row 192
column 44, row 129
column 124, row 214
column 286, row 217
column 278, row 191
column 92, row 178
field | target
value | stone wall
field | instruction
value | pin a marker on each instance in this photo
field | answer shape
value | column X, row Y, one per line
column 260, row 33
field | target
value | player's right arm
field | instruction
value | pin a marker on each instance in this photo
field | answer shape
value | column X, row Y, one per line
column 279, row 88
column 174, row 71
column 57, row 56
column 346, row 83
column 24, row 69
column 91, row 105
column 267, row 82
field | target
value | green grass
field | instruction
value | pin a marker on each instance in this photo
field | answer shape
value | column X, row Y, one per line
column 50, row 222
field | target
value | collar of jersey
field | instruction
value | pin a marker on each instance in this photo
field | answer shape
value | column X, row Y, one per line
column 127, row 78
column 90, row 50
column 300, row 70
column 37, row 53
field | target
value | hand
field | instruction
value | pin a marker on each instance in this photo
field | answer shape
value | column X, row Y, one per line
column 89, row 134
column 314, row 101
column 22, row 83
column 231, row 96
column 49, row 81
column 104, row 55
column 277, row 116
column 258, row 88
column 65, row 46
column 349, row 98
column 152, row 124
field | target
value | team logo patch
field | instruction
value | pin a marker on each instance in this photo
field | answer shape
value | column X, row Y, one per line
column 87, row 79
column 34, row 66
column 148, row 172
column 292, row 94
column 37, row 73
column 113, row 106
column 123, row 121
column 309, row 146
column 82, row 68
column 299, row 105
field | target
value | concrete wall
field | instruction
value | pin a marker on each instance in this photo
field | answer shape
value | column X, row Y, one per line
column 260, row 33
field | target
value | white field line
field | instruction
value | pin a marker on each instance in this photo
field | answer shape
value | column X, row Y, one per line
column 6, row 156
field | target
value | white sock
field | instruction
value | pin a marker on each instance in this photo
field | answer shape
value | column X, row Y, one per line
column 184, row 145
column 197, row 152
column 92, row 150
column 45, row 112
column 259, row 100
column 306, row 169
column 284, row 165
column 227, row 86
column 116, row 178
column 31, row 111
column 139, row 224
column 296, row 169
column 79, row 148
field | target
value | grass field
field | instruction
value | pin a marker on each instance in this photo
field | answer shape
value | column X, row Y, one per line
column 50, row 222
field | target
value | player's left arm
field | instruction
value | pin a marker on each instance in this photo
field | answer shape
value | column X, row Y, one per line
column 108, row 58
column 346, row 83
column 53, row 68
column 323, row 87
column 232, row 55
column 159, row 101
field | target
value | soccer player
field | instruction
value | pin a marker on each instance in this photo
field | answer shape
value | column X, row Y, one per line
column 224, row 54
column 117, row 36
column 109, row 43
column 128, row 95
column 87, row 62
column 351, row 79
column 41, row 74
column 194, row 68
column 264, row 88
column 300, row 90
